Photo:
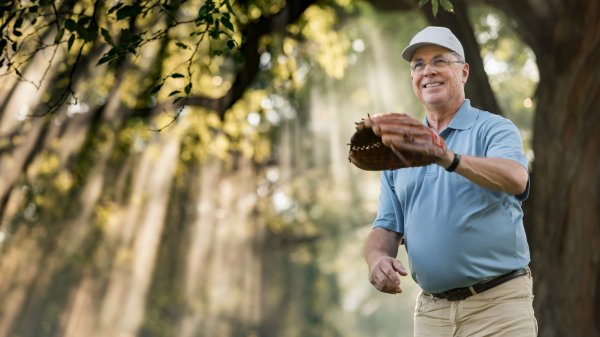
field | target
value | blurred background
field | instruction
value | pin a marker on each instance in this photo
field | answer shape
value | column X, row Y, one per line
column 179, row 168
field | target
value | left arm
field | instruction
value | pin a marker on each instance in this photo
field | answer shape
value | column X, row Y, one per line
column 497, row 174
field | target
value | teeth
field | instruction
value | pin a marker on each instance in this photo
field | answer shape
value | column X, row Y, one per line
column 429, row 85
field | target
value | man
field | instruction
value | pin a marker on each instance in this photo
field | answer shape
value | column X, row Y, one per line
column 461, row 218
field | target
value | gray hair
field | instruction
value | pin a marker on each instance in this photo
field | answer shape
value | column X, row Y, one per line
column 458, row 56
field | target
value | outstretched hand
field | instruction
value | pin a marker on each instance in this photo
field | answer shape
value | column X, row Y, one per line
column 410, row 140
column 392, row 141
column 384, row 274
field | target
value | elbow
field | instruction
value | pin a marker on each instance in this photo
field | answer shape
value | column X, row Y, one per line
column 519, row 182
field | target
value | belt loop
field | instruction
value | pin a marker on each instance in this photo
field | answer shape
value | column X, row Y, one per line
column 473, row 292
column 428, row 295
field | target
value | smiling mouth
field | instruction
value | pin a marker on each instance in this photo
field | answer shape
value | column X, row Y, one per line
column 432, row 85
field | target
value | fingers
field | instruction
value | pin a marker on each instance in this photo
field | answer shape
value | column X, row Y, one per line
column 424, row 149
column 412, row 142
column 386, row 285
column 375, row 121
column 399, row 267
column 400, row 128
column 412, row 139
column 409, row 132
column 384, row 276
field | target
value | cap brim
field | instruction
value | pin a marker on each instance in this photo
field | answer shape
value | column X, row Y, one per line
column 408, row 52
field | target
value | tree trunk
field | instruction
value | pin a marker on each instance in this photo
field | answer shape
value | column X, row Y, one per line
column 566, row 207
column 478, row 88
column 564, row 219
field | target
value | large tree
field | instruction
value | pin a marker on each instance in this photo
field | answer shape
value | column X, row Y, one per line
column 564, row 212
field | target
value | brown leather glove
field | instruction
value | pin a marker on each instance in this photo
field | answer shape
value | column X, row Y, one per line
column 394, row 140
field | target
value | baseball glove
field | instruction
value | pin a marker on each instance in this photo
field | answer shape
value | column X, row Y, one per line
column 392, row 141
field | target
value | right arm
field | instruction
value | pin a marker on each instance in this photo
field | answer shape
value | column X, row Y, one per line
column 381, row 249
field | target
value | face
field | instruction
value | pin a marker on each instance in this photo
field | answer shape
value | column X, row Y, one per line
column 438, row 87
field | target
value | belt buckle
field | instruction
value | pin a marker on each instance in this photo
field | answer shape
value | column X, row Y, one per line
column 457, row 296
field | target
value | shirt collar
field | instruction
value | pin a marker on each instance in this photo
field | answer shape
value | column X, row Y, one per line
column 464, row 118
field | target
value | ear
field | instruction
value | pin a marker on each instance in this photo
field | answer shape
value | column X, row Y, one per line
column 465, row 73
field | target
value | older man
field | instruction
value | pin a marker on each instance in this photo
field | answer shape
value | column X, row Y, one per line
column 460, row 219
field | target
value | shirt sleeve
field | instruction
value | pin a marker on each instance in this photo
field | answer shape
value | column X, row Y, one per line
column 504, row 141
column 389, row 215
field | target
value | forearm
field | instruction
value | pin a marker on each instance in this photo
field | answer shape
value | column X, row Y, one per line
column 497, row 174
column 380, row 252
column 381, row 242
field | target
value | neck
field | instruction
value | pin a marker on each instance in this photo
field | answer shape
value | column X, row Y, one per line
column 440, row 117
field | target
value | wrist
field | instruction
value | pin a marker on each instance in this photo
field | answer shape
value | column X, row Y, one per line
column 446, row 160
column 454, row 164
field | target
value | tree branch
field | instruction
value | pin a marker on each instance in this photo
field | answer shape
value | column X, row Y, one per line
column 478, row 88
column 398, row 5
column 249, row 49
column 532, row 26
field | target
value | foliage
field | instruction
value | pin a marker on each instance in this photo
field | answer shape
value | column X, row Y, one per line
column 435, row 4
column 122, row 31
column 143, row 57
column 162, row 56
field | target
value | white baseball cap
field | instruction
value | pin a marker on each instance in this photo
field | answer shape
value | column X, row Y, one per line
column 440, row 36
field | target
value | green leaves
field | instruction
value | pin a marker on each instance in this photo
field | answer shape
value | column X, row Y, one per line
column 213, row 17
column 214, row 21
column 71, row 25
column 3, row 44
column 225, row 20
column 156, row 88
column 59, row 35
column 446, row 5
column 17, row 26
column 116, row 27
column 177, row 95
column 128, row 44
column 231, row 44
column 181, row 45
column 128, row 12
column 86, row 27
column 107, row 37
column 205, row 13
column 71, row 41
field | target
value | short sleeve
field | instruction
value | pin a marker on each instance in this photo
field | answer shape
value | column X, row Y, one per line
column 389, row 215
column 504, row 141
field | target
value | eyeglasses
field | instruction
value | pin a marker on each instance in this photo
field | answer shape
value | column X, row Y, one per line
column 420, row 66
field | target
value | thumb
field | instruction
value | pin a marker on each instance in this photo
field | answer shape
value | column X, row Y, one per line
column 399, row 267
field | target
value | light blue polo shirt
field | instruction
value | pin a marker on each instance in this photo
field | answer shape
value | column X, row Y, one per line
column 457, row 233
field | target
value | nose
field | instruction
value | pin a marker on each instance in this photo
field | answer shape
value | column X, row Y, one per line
column 429, row 68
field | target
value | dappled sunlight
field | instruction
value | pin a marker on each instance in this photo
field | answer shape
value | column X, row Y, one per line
column 173, row 219
column 511, row 67
column 330, row 47
column 129, row 212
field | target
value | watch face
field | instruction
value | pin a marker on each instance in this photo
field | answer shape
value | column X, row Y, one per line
column 455, row 163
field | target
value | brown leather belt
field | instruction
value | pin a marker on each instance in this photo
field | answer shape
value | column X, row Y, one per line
column 460, row 294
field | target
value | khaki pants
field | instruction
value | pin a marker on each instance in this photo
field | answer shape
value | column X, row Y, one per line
column 503, row 311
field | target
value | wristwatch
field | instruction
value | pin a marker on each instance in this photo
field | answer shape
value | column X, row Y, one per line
column 455, row 163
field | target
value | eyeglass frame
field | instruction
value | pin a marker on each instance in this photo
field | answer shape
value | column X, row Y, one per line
column 443, row 63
